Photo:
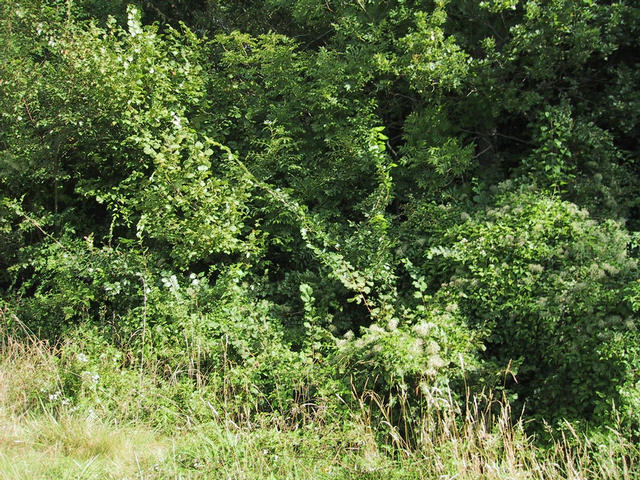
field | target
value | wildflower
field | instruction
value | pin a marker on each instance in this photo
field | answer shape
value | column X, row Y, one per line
column 436, row 362
column 175, row 119
column 423, row 329
column 416, row 347
column 535, row 268
column 92, row 377
column 452, row 307
column 433, row 348
column 392, row 324
column 375, row 328
column 82, row 358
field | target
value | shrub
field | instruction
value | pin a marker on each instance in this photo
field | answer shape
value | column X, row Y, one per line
column 545, row 284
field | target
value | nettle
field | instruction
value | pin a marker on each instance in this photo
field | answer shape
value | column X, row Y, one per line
column 545, row 285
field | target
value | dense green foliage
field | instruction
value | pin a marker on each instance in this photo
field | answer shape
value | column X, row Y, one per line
column 328, row 195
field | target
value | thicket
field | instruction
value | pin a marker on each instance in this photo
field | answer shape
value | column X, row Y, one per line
column 294, row 200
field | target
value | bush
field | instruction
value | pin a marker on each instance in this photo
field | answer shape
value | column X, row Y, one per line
column 545, row 284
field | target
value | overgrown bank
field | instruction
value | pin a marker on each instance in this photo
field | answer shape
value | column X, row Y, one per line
column 280, row 204
column 60, row 419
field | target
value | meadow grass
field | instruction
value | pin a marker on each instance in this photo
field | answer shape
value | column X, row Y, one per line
column 44, row 435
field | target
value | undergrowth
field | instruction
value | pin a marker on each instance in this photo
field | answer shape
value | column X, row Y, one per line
column 66, row 415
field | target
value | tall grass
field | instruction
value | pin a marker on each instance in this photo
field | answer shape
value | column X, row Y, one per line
column 91, row 436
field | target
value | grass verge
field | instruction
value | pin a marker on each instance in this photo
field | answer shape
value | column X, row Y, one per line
column 47, row 434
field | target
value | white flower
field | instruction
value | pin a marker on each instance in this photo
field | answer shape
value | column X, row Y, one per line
column 416, row 347
column 175, row 119
column 535, row 268
column 436, row 362
column 133, row 21
column 82, row 358
column 92, row 377
column 423, row 329
column 375, row 328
